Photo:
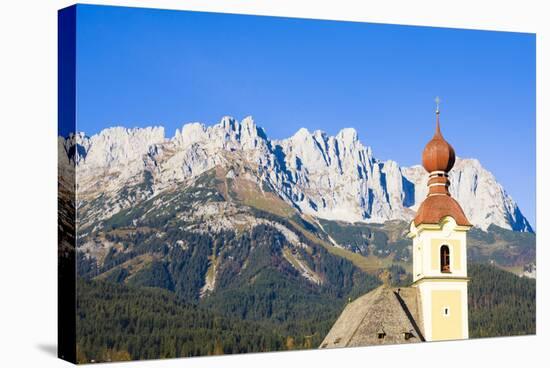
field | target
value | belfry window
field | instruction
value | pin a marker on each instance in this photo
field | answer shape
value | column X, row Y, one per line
column 445, row 259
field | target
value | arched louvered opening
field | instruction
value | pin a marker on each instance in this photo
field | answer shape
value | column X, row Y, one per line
column 445, row 256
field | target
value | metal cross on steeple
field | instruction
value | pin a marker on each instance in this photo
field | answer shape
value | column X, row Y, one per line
column 437, row 102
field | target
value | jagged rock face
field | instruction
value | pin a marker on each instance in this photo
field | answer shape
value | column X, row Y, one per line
column 337, row 178
column 482, row 198
column 113, row 158
column 198, row 148
column 328, row 177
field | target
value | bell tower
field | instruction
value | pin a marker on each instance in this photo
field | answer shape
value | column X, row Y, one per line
column 439, row 247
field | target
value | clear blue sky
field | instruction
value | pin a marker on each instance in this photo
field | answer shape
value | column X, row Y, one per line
column 142, row 67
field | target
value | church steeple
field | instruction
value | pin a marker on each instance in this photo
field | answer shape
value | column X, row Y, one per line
column 439, row 246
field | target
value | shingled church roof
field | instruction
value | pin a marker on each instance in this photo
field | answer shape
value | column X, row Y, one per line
column 385, row 315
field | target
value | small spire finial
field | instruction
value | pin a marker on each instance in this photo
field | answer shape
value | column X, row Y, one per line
column 437, row 128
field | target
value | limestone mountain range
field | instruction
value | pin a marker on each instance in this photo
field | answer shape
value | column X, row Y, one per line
column 327, row 177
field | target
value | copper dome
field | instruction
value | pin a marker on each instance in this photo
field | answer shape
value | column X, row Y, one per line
column 436, row 207
column 438, row 155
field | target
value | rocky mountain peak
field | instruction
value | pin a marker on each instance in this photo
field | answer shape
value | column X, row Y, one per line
column 301, row 135
column 348, row 136
column 330, row 177
column 118, row 146
column 190, row 133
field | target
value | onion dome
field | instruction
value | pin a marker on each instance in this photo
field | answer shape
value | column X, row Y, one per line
column 438, row 155
column 438, row 159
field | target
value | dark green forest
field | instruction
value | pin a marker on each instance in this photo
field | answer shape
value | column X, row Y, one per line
column 117, row 322
column 121, row 322
column 500, row 303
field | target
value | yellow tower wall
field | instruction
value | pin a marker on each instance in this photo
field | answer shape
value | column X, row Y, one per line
column 427, row 241
column 441, row 290
column 446, row 326
column 437, row 295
